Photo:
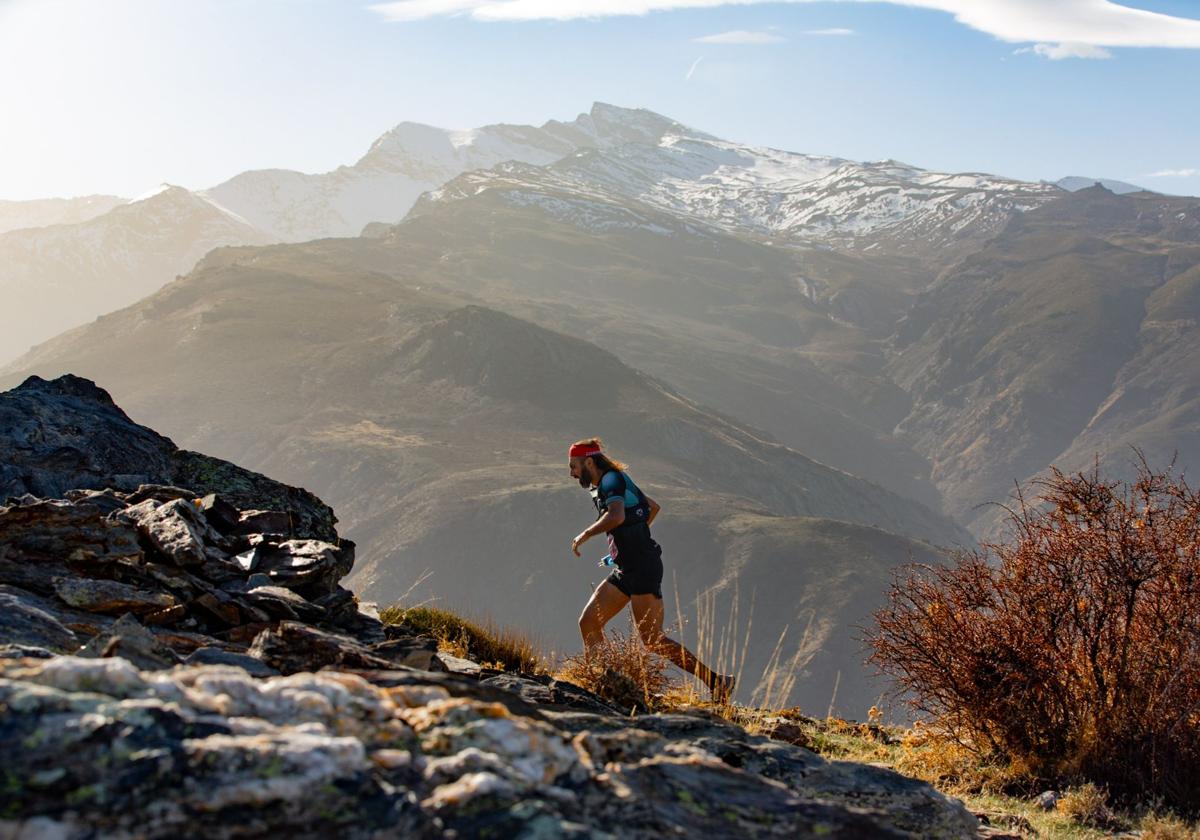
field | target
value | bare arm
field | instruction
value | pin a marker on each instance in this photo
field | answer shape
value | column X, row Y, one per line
column 613, row 516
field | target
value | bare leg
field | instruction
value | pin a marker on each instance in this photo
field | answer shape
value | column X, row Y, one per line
column 605, row 603
column 648, row 614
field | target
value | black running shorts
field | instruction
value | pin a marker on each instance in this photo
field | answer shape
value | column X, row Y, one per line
column 639, row 575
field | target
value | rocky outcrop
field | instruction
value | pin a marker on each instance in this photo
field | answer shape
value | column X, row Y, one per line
column 174, row 664
column 100, row 747
column 68, row 434
column 253, row 698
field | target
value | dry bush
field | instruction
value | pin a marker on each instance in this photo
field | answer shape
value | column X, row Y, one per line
column 1167, row 827
column 1073, row 649
column 488, row 645
column 1088, row 806
column 623, row 672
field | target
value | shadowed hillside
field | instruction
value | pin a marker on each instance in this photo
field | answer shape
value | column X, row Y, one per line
column 416, row 417
column 1069, row 335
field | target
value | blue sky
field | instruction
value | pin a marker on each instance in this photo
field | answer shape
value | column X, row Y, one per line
column 118, row 96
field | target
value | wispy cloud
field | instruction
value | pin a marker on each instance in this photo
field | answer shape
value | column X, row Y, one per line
column 1056, row 52
column 1064, row 27
column 692, row 69
column 740, row 36
column 837, row 31
column 1175, row 173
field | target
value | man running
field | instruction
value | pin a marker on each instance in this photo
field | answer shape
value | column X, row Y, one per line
column 624, row 513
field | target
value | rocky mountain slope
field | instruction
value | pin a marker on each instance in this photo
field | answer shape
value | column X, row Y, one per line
column 1070, row 336
column 438, row 430
column 54, row 278
column 411, row 159
column 297, row 712
column 884, row 205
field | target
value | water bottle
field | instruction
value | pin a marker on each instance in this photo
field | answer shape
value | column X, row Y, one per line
column 606, row 560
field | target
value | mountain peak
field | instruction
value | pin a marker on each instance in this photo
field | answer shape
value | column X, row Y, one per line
column 615, row 124
column 1074, row 183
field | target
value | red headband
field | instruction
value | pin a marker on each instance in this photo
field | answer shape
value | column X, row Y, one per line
column 582, row 450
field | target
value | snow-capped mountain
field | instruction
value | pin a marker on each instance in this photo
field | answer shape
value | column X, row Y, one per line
column 54, row 278
column 409, row 160
column 797, row 197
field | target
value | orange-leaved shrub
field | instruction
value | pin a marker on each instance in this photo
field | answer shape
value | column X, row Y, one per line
column 1073, row 649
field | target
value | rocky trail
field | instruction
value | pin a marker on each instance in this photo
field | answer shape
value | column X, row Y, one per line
column 178, row 658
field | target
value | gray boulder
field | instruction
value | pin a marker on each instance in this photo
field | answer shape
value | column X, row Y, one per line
column 68, row 434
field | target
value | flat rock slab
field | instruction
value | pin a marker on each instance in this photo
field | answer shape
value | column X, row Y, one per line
column 131, row 641
column 414, row 652
column 458, row 665
column 294, row 647
column 218, row 656
column 22, row 623
column 545, row 691
column 109, row 596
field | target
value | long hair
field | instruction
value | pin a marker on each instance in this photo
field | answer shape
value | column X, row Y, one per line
column 603, row 462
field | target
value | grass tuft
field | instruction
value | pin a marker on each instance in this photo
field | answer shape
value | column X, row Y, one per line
column 491, row 646
column 624, row 673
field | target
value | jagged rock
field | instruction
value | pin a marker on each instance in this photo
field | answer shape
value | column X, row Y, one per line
column 205, row 751
column 263, row 522
column 161, row 493
column 109, row 596
column 281, row 603
column 341, row 607
column 311, row 567
column 106, row 500
column 547, row 691
column 413, row 652
column 67, row 434
column 11, row 651
column 295, row 647
column 218, row 656
column 39, row 530
column 212, row 751
column 458, row 665
column 84, row 625
column 219, row 513
column 131, row 641
column 23, row 623
column 176, row 529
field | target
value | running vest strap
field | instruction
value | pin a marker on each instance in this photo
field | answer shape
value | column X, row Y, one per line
column 631, row 537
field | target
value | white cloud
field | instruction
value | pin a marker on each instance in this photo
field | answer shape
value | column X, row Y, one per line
column 1174, row 173
column 1056, row 52
column 1065, row 23
column 692, row 69
column 838, row 31
column 740, row 36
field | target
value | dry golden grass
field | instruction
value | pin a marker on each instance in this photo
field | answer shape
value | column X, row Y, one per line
column 1167, row 827
column 623, row 672
column 491, row 646
column 628, row 676
column 1088, row 806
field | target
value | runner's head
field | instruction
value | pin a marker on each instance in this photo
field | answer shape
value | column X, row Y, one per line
column 588, row 463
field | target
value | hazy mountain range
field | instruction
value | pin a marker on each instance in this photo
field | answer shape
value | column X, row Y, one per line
column 823, row 368
column 627, row 154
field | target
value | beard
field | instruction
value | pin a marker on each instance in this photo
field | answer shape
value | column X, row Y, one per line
column 586, row 477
